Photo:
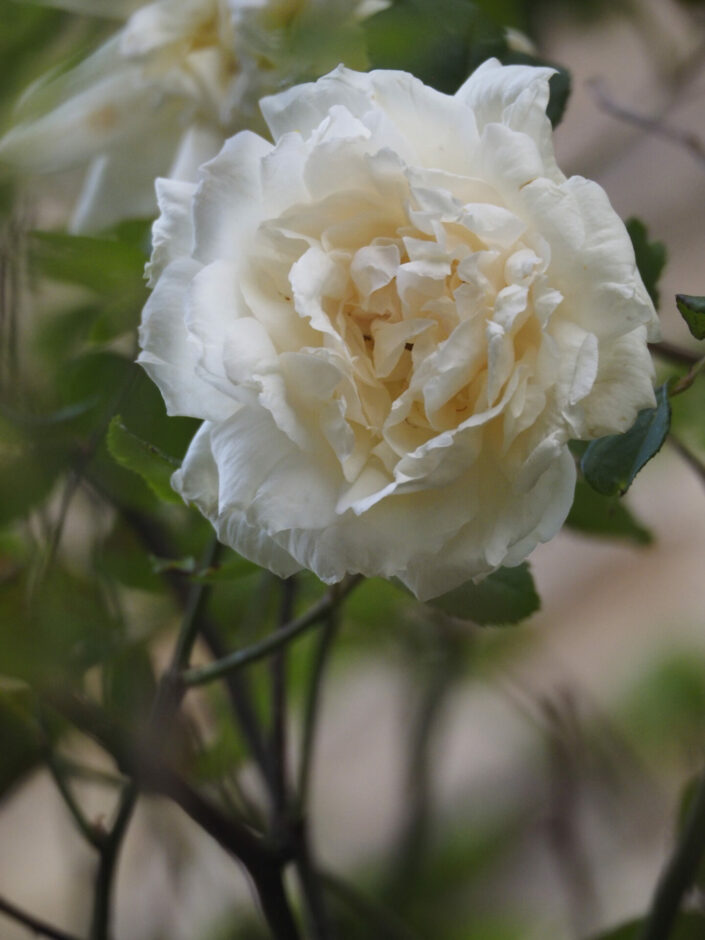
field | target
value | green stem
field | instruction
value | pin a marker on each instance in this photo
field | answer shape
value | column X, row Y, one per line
column 279, row 700
column 680, row 871
column 39, row 927
column 325, row 643
column 222, row 667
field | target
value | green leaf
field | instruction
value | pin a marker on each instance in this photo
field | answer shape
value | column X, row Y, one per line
column 687, row 927
column 153, row 465
column 508, row 595
column 439, row 42
column 650, row 257
column 692, row 309
column 611, row 463
column 594, row 514
column 20, row 741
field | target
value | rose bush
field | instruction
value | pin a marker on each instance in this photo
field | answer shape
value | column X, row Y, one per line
column 161, row 96
column 392, row 321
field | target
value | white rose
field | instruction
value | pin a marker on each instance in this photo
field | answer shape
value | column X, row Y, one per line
column 161, row 96
column 392, row 321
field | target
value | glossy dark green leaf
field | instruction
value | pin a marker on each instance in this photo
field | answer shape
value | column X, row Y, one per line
column 604, row 516
column 153, row 465
column 692, row 309
column 611, row 463
column 506, row 596
column 650, row 257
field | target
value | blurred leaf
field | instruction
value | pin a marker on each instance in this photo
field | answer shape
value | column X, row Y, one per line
column 101, row 264
column 439, row 42
column 594, row 514
column 666, row 707
column 153, row 465
column 650, row 257
column 687, row 927
column 692, row 309
column 61, row 626
column 21, row 743
column 506, row 596
column 611, row 463
column 129, row 684
column 123, row 557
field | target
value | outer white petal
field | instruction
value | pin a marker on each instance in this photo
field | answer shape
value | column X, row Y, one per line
column 516, row 96
column 228, row 203
column 170, row 355
column 198, row 482
column 303, row 108
column 592, row 258
column 623, row 385
column 172, row 233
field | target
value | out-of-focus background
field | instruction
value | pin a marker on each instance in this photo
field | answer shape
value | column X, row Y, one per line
column 551, row 783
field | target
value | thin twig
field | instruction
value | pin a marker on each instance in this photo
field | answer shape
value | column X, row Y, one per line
column 32, row 923
column 223, row 667
column 93, row 834
column 674, row 353
column 680, row 871
column 687, row 454
column 684, row 383
column 652, row 125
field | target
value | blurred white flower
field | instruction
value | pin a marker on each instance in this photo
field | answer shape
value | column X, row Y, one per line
column 161, row 96
column 392, row 321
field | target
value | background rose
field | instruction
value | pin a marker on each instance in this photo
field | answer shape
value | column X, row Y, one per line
column 161, row 96
column 392, row 322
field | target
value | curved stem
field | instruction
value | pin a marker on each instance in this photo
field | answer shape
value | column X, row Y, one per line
column 680, row 871
column 223, row 667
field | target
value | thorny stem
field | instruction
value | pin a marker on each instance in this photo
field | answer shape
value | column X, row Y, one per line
column 680, row 871
column 223, row 667
column 39, row 927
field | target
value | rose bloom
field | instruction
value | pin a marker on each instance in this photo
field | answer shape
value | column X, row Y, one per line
column 161, row 96
column 392, row 321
